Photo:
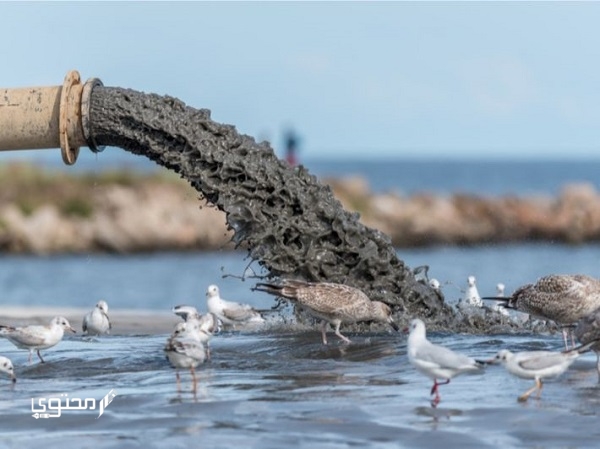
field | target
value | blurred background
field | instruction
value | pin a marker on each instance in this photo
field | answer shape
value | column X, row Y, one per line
column 486, row 99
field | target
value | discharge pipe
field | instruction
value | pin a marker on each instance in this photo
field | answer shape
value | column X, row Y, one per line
column 48, row 117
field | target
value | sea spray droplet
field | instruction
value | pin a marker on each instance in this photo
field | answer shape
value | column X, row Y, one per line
column 295, row 224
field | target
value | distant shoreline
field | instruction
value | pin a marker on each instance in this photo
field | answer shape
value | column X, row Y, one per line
column 45, row 211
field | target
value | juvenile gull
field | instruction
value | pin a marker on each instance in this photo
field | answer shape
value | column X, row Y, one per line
column 561, row 298
column 436, row 362
column 6, row 366
column 207, row 325
column 537, row 365
column 97, row 322
column 184, row 350
column 231, row 313
column 587, row 330
column 332, row 303
column 37, row 337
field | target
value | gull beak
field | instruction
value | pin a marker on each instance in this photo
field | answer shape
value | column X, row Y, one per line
column 393, row 324
column 70, row 329
column 492, row 361
column 14, row 378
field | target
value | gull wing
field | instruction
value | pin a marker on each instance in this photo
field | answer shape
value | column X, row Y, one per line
column 30, row 335
column 542, row 361
column 239, row 312
column 444, row 357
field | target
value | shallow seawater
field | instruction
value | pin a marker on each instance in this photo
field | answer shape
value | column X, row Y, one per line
column 285, row 389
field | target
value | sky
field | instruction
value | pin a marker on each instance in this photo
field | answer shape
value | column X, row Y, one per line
column 365, row 80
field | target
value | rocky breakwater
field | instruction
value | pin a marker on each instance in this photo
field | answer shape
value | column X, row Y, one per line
column 463, row 219
column 45, row 212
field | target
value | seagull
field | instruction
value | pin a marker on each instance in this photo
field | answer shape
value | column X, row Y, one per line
column 332, row 303
column 207, row 325
column 436, row 362
column 184, row 350
column 500, row 290
column 96, row 322
column 37, row 337
column 562, row 298
column 471, row 296
column 186, row 312
column 231, row 313
column 500, row 294
column 437, row 288
column 538, row 365
column 6, row 366
column 588, row 329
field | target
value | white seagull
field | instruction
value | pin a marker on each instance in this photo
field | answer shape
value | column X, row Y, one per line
column 231, row 313
column 471, row 296
column 36, row 337
column 500, row 287
column 207, row 325
column 538, row 365
column 6, row 366
column 184, row 350
column 97, row 322
column 436, row 362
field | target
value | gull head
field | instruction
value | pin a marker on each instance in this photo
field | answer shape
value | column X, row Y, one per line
column 212, row 291
column 471, row 281
column 501, row 357
column 500, row 289
column 62, row 322
column 382, row 312
column 6, row 366
column 102, row 306
column 416, row 327
column 434, row 284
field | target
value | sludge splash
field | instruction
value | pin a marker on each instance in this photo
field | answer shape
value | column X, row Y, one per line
column 291, row 224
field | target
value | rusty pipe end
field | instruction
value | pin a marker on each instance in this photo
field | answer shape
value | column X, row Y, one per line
column 74, row 117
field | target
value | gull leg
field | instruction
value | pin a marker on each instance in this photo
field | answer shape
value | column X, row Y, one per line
column 178, row 381
column 565, row 339
column 29, row 359
column 339, row 334
column 40, row 356
column 324, row 332
column 540, row 385
column 537, row 386
column 434, row 390
column 194, row 382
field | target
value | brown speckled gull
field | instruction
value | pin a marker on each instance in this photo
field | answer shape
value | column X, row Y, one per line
column 587, row 330
column 562, row 298
column 332, row 303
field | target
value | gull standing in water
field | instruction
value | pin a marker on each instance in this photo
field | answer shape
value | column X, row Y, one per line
column 332, row 303
column 6, row 366
column 231, row 313
column 537, row 365
column 184, row 350
column 436, row 362
column 562, row 298
column 36, row 337
column 587, row 330
column 97, row 322
column 207, row 325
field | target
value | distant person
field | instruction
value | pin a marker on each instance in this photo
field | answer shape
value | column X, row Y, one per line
column 291, row 147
